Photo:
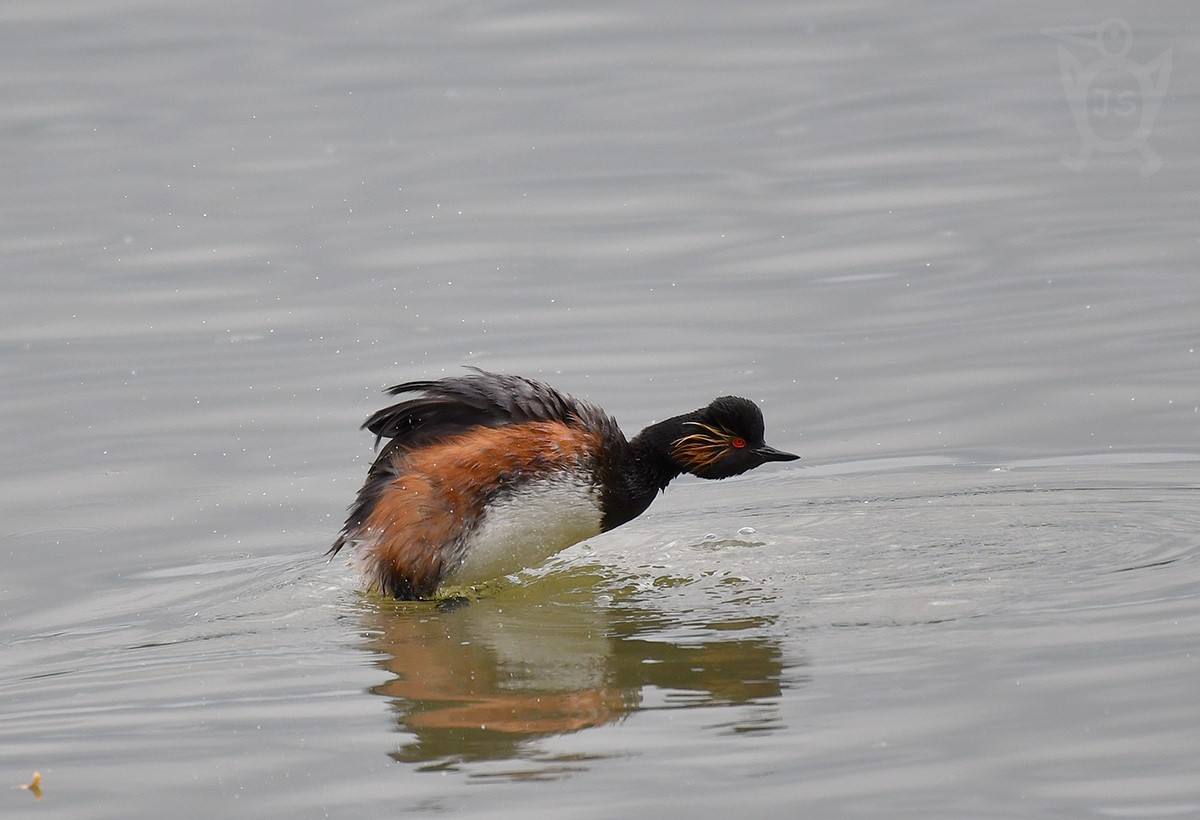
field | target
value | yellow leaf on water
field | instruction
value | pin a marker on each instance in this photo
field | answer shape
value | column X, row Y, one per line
column 34, row 785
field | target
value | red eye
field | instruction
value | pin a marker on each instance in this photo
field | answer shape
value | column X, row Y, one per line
column 738, row 442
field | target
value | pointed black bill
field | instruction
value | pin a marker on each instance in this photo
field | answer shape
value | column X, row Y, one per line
column 768, row 453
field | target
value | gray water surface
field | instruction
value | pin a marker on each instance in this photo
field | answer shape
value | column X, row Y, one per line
column 224, row 227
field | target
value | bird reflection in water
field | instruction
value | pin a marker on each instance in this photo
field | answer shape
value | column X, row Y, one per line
column 485, row 681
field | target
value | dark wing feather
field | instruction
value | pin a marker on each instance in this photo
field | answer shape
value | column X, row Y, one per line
column 482, row 399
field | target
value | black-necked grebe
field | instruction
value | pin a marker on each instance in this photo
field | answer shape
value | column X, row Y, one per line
column 486, row 474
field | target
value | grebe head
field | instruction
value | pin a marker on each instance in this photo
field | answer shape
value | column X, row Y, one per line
column 723, row 439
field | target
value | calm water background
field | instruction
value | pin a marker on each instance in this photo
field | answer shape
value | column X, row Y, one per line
column 224, row 226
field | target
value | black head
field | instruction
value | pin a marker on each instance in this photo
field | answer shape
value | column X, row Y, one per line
column 724, row 439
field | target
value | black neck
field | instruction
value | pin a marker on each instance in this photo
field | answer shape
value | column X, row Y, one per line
column 644, row 471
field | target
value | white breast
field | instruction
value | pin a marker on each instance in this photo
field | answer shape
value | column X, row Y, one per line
column 525, row 527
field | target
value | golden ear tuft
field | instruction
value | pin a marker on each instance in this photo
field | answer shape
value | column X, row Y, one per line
column 702, row 448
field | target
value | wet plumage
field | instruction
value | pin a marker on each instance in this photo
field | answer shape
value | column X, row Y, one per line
column 484, row 474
